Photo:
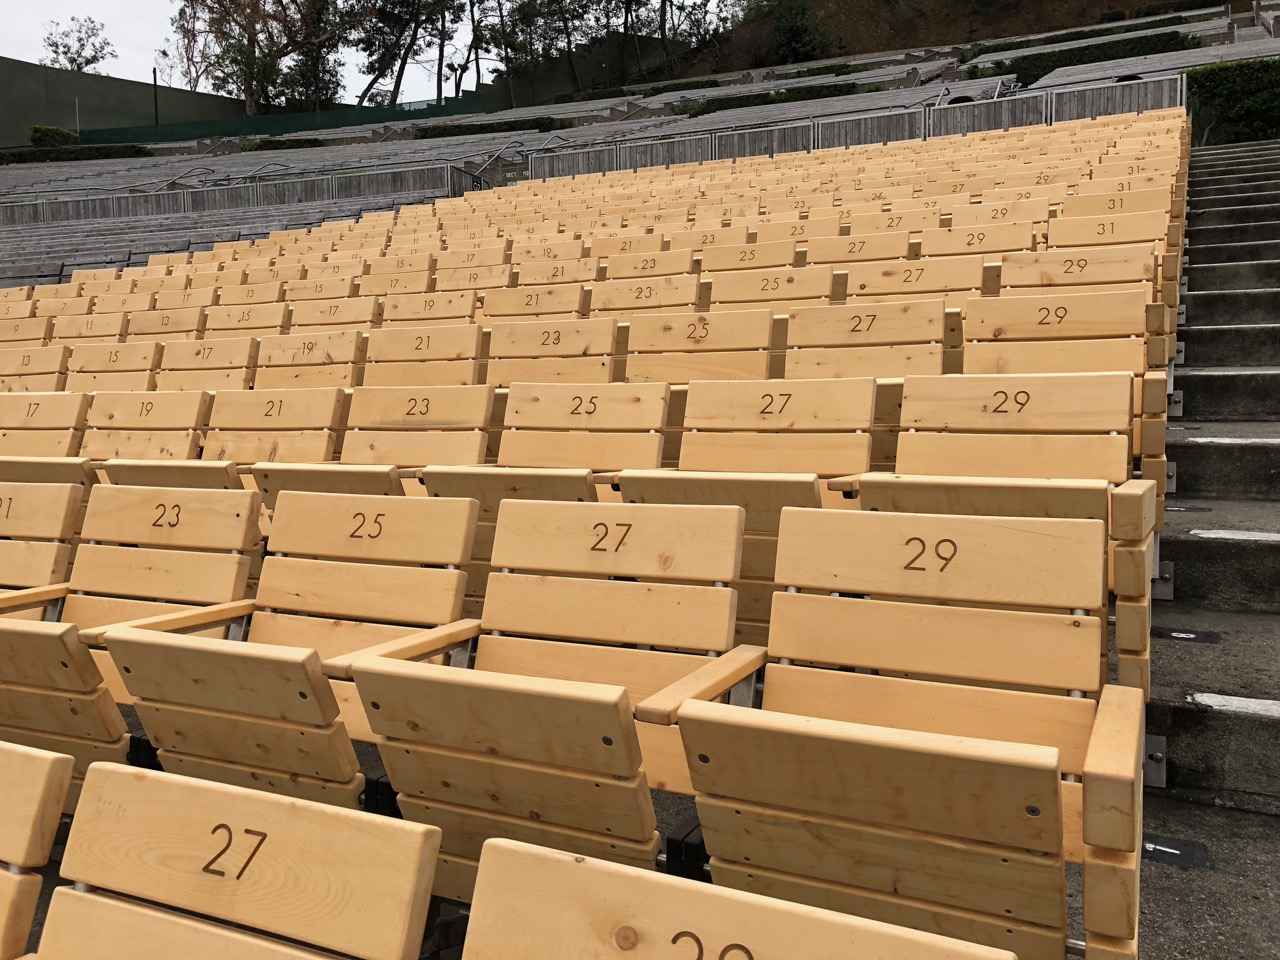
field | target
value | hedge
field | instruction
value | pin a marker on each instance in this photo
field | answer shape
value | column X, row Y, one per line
column 105, row 151
column 1235, row 102
column 53, row 137
column 1155, row 9
column 280, row 143
column 541, row 124
column 794, row 95
column 983, row 49
column 1035, row 66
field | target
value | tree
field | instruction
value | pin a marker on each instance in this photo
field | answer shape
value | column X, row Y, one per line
column 253, row 39
column 190, row 54
column 80, row 46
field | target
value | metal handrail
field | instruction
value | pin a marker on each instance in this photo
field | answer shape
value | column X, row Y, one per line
column 498, row 153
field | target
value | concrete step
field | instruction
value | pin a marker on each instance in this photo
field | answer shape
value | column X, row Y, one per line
column 1226, row 553
column 1233, row 252
column 1212, row 156
column 1257, row 195
column 1245, row 172
column 1233, row 215
column 1250, row 275
column 1253, row 191
column 1214, row 677
column 1228, row 461
column 1234, row 307
column 1224, row 908
column 1229, row 393
column 1232, row 345
column 1257, row 232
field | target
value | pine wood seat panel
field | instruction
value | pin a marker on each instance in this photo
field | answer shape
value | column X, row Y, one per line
column 42, row 424
column 145, row 552
column 550, row 646
column 969, row 696
column 205, row 869
column 566, row 904
column 681, row 347
column 391, row 432
column 34, row 786
column 345, row 574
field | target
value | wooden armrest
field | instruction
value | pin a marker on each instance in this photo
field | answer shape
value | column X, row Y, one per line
column 32, row 597
column 414, row 646
column 180, row 621
column 844, row 484
column 1133, row 510
column 711, row 680
column 1113, row 770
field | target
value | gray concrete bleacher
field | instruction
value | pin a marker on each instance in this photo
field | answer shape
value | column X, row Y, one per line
column 1207, row 29
column 1160, row 64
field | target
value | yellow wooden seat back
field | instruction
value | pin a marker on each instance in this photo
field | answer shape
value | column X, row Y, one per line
column 233, row 872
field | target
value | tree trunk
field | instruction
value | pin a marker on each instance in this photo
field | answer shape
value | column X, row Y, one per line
column 475, row 46
column 444, row 27
column 251, row 77
column 626, row 29
column 506, row 54
column 404, row 62
column 662, row 32
column 568, row 52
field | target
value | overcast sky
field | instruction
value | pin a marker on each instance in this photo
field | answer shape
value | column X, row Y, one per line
column 138, row 28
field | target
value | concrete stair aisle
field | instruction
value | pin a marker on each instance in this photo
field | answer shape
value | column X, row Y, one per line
column 1216, row 646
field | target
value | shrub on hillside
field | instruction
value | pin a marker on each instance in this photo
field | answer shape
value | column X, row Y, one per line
column 105, row 151
column 281, row 143
column 541, row 124
column 1235, row 102
column 53, row 137
column 1036, row 66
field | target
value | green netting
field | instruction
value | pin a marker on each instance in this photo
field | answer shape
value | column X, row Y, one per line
column 276, row 124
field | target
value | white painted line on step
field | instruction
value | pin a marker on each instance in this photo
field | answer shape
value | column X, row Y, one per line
column 1238, row 441
column 1237, row 535
column 1221, row 701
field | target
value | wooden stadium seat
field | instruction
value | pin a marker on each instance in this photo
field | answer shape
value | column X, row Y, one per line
column 323, row 316
column 96, row 328
column 146, row 426
column 680, row 347
column 782, row 289
column 247, row 320
column 567, row 905
column 477, row 279
column 34, row 369
column 384, row 284
column 37, row 524
column 862, row 339
column 439, row 356
column 310, row 360
column 956, row 278
column 145, row 551
column 33, row 788
column 392, row 432
column 275, row 425
column 893, row 245
column 1053, row 431
column 107, row 366
column 655, row 295
column 24, row 332
column 179, row 323
column 18, row 309
column 42, row 424
column 346, row 575
column 866, row 787
column 547, row 273
column 763, row 445
column 425, row 309
column 207, row 365
column 552, row 350
column 216, row 855
column 549, row 657
column 68, row 308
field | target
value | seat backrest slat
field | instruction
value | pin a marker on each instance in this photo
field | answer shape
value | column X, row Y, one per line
column 567, row 905
column 998, row 560
column 1019, row 403
column 286, row 867
column 34, row 787
column 667, row 542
